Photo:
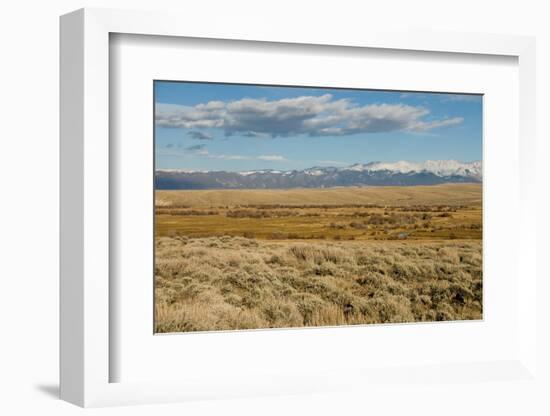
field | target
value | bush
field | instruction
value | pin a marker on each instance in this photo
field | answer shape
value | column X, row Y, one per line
column 226, row 283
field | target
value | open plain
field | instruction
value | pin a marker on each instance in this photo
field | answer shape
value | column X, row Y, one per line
column 246, row 259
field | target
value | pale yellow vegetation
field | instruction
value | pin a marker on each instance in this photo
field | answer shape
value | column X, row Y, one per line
column 448, row 194
column 228, row 283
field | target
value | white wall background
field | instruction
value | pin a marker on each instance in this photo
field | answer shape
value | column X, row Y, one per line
column 29, row 205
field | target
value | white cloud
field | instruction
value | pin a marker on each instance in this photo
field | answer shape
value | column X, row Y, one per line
column 272, row 158
column 229, row 157
column 201, row 150
column 306, row 115
column 429, row 125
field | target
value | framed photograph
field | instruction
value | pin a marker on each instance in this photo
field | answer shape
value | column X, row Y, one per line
column 267, row 214
column 281, row 213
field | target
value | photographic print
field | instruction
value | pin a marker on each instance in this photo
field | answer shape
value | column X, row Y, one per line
column 289, row 206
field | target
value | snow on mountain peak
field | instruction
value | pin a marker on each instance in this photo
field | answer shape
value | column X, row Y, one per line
column 401, row 173
column 440, row 168
column 436, row 167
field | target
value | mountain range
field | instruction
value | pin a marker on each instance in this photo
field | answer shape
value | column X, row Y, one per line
column 402, row 173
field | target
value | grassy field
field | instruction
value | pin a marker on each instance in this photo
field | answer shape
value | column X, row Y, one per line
column 242, row 259
column 447, row 194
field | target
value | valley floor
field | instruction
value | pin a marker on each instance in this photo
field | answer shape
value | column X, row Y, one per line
column 230, row 260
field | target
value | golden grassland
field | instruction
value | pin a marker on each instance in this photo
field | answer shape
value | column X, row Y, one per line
column 247, row 259
column 448, row 194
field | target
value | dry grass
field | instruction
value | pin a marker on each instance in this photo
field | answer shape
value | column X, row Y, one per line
column 322, row 222
column 324, row 214
column 243, row 259
column 448, row 194
column 227, row 283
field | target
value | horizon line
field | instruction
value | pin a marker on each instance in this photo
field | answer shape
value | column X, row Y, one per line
column 344, row 166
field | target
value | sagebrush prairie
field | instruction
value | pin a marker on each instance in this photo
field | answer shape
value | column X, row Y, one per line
column 247, row 259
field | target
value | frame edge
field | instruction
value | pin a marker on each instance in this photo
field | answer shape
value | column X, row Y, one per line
column 71, row 201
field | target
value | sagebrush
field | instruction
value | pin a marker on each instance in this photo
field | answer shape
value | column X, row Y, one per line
column 229, row 283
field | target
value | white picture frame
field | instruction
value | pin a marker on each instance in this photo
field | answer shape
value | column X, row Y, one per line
column 86, row 355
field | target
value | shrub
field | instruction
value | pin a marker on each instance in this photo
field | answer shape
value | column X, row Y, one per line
column 225, row 283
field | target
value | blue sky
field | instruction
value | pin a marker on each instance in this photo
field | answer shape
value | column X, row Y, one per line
column 202, row 126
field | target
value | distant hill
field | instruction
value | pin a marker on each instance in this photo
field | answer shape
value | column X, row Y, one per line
column 401, row 173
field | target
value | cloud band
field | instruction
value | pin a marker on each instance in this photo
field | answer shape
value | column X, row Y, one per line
column 307, row 115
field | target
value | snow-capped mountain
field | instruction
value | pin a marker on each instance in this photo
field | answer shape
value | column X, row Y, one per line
column 400, row 173
column 440, row 168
